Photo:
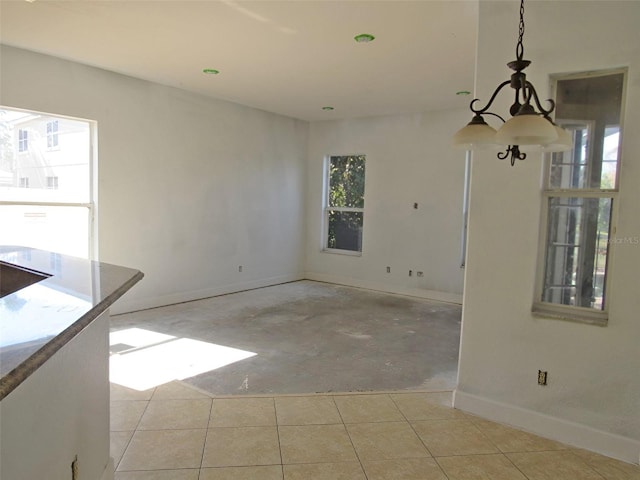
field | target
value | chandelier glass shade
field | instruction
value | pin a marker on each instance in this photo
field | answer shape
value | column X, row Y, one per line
column 529, row 129
column 530, row 125
column 476, row 134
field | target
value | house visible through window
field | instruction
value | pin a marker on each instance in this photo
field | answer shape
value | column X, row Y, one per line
column 52, row 134
column 344, row 203
column 46, row 179
column 580, row 196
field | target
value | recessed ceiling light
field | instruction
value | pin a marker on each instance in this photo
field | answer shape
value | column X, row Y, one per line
column 327, row 108
column 364, row 38
column 210, row 71
column 463, row 92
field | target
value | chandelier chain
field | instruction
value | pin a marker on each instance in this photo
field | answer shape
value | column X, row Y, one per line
column 519, row 47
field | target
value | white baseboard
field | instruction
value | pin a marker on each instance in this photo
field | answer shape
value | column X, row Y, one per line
column 386, row 288
column 125, row 305
column 570, row 433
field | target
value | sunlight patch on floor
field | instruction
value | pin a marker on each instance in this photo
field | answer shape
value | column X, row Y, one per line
column 142, row 359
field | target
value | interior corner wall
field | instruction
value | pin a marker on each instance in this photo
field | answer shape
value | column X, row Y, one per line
column 408, row 160
column 592, row 399
column 190, row 187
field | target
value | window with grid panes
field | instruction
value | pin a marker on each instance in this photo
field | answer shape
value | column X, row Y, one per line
column 580, row 198
column 344, row 203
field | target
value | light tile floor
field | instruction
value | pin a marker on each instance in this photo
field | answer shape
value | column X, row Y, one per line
column 175, row 432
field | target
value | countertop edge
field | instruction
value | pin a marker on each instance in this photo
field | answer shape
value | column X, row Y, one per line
column 19, row 374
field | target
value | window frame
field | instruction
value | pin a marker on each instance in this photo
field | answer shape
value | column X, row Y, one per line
column 573, row 313
column 92, row 204
column 53, row 141
column 23, row 140
column 53, row 182
column 327, row 208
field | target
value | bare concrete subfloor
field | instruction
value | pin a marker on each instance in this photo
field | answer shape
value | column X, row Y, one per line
column 316, row 337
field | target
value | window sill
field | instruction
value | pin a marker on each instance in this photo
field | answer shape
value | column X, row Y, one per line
column 570, row 314
column 342, row 252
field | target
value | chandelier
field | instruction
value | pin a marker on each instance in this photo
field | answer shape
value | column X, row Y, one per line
column 527, row 129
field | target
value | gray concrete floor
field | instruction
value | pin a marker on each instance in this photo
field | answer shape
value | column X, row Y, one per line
column 316, row 337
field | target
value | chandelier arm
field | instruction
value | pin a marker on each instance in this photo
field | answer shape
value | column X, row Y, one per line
column 505, row 154
column 495, row 115
column 512, row 152
column 495, row 93
column 534, row 94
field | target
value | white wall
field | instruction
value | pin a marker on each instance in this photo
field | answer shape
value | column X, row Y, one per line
column 408, row 160
column 189, row 187
column 593, row 396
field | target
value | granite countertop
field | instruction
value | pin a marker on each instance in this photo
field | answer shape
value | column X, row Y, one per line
column 38, row 320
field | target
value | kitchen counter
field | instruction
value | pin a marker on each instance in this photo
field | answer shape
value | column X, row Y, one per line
column 38, row 320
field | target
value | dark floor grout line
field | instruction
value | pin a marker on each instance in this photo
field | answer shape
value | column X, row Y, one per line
column 115, row 467
column 159, row 469
column 322, row 463
column 164, row 429
column 206, row 436
column 473, row 455
column 516, row 466
column 344, row 424
column 416, row 433
column 364, row 472
column 315, row 394
column 440, row 467
column 275, row 412
column 124, row 450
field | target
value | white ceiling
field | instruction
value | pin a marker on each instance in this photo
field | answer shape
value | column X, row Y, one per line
column 288, row 57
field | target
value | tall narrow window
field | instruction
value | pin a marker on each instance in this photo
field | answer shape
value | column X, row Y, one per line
column 23, row 140
column 344, row 203
column 52, row 134
column 46, row 178
column 580, row 195
column 52, row 182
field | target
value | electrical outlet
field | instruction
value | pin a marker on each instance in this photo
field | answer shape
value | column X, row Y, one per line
column 388, row 269
column 542, row 377
column 420, row 274
column 411, row 273
column 74, row 469
column 240, row 268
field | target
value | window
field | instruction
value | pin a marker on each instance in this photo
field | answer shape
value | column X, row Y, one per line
column 46, row 194
column 52, row 183
column 344, row 203
column 52, row 134
column 23, row 140
column 580, row 197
